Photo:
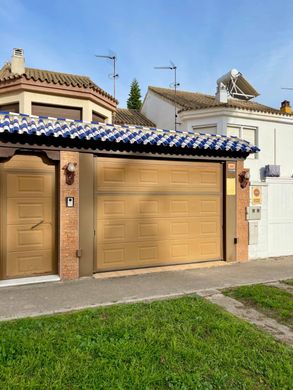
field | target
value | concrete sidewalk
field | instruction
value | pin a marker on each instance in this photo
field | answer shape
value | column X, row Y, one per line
column 56, row 297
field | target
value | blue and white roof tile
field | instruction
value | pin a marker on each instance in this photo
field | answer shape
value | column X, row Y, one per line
column 95, row 131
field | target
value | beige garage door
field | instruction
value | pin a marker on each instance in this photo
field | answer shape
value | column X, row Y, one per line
column 27, row 218
column 157, row 212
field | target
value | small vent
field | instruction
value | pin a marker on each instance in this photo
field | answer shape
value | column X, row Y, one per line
column 18, row 52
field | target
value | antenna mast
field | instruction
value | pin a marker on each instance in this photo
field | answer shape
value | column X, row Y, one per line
column 172, row 66
column 114, row 75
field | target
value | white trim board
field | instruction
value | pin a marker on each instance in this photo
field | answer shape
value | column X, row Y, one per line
column 31, row 280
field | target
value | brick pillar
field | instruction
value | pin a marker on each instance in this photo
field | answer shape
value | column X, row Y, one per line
column 242, row 202
column 69, row 220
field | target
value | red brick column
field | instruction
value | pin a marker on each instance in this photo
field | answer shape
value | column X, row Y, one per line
column 69, row 220
column 242, row 202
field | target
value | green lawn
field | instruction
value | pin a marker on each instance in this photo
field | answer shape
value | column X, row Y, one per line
column 272, row 301
column 288, row 281
column 184, row 343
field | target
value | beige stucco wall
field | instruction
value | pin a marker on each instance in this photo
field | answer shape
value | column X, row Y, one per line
column 26, row 99
column 8, row 98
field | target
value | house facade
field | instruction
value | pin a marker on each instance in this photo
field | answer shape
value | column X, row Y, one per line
column 80, row 196
column 268, row 128
column 54, row 94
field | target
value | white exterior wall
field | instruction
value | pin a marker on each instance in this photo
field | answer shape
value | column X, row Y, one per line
column 269, row 128
column 280, row 216
column 260, row 249
column 158, row 111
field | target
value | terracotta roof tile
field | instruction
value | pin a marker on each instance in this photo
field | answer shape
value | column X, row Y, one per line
column 198, row 101
column 52, row 77
column 126, row 116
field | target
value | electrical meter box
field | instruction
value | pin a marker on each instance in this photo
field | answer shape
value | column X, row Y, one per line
column 253, row 213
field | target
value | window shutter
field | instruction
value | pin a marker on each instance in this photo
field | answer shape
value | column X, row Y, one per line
column 205, row 129
column 249, row 135
column 233, row 131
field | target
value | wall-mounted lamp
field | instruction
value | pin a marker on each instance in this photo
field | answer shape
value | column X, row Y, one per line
column 244, row 177
column 69, row 171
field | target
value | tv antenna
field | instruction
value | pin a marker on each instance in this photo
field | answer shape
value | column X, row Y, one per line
column 173, row 67
column 113, row 75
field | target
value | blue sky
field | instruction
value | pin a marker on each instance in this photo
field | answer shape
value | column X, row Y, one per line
column 203, row 38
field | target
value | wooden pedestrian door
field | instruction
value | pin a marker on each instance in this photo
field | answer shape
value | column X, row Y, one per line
column 28, row 241
column 157, row 213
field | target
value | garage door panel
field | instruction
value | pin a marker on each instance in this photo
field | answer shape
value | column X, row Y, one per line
column 29, row 211
column 21, row 264
column 139, row 175
column 28, row 185
column 148, row 205
column 130, row 230
column 157, row 213
column 148, row 253
column 22, row 238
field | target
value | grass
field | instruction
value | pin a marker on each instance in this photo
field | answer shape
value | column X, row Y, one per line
column 288, row 281
column 184, row 343
column 272, row 301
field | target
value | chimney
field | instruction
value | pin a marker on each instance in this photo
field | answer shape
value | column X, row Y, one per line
column 285, row 107
column 17, row 62
column 222, row 93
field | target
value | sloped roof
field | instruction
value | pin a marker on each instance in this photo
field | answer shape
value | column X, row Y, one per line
column 51, row 77
column 125, row 116
column 137, row 135
column 198, row 101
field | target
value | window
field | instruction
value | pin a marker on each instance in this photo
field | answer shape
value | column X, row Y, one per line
column 57, row 111
column 12, row 107
column 234, row 131
column 98, row 117
column 247, row 133
column 208, row 129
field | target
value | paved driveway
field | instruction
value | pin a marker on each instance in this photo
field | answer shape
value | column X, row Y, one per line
column 48, row 298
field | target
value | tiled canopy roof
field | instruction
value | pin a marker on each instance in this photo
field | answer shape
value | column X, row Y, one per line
column 125, row 116
column 198, row 101
column 50, row 127
column 50, row 77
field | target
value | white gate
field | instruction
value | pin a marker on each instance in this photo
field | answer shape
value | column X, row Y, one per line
column 280, row 216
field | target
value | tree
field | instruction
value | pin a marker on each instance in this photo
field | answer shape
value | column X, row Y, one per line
column 134, row 99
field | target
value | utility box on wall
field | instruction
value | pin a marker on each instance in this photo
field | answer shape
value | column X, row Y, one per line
column 272, row 170
column 253, row 213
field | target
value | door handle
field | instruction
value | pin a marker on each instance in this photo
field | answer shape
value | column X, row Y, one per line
column 37, row 224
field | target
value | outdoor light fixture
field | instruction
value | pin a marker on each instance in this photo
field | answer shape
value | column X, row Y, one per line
column 69, row 171
column 244, row 177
